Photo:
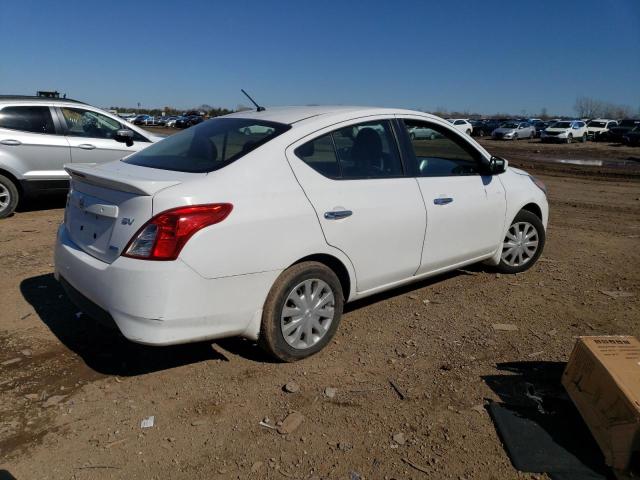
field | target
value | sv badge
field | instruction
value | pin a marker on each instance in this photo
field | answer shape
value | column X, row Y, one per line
column 127, row 221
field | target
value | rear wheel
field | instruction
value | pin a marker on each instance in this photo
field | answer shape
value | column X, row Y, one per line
column 302, row 312
column 8, row 196
column 523, row 243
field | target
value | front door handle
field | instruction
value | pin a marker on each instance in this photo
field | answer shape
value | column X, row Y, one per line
column 442, row 201
column 338, row 214
column 10, row 142
column 86, row 146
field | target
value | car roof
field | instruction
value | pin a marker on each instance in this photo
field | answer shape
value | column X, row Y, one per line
column 34, row 99
column 295, row 114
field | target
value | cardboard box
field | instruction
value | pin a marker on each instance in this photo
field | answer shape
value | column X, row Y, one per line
column 603, row 381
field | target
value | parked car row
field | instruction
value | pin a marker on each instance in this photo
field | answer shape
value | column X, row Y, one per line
column 177, row 121
column 559, row 130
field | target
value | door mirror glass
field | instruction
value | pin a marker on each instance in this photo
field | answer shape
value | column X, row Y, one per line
column 124, row 136
column 497, row 165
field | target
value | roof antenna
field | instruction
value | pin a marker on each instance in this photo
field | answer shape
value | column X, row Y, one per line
column 258, row 107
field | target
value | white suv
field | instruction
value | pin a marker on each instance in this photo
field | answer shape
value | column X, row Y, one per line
column 599, row 127
column 566, row 131
column 39, row 135
column 215, row 232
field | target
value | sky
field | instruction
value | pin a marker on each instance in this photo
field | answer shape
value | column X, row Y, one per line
column 484, row 56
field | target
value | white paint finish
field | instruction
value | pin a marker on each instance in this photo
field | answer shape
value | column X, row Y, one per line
column 468, row 227
column 162, row 303
column 218, row 285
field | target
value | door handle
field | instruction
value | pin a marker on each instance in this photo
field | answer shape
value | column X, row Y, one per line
column 10, row 142
column 442, row 201
column 338, row 214
column 86, row 146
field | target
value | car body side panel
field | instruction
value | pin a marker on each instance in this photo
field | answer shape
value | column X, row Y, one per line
column 272, row 224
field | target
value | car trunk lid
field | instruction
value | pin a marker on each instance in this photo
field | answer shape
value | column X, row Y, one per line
column 107, row 204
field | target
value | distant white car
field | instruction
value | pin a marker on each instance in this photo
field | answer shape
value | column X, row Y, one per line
column 565, row 131
column 210, row 234
column 461, row 124
column 598, row 127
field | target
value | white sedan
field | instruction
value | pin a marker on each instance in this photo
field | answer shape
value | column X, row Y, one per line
column 211, row 234
column 461, row 124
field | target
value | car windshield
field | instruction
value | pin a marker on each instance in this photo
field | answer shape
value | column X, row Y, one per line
column 561, row 125
column 595, row 124
column 208, row 146
column 509, row 125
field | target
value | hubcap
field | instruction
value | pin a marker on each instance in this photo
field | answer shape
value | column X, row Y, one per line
column 307, row 313
column 5, row 197
column 520, row 244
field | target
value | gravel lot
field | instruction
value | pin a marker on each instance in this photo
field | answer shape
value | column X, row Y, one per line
column 73, row 395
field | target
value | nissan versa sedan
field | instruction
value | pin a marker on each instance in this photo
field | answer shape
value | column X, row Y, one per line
column 214, row 232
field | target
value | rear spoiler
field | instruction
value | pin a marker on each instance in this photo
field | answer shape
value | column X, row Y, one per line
column 116, row 180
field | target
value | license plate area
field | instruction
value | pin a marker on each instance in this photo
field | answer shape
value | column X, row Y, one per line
column 90, row 221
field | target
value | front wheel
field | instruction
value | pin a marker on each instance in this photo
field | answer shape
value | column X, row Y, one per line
column 8, row 197
column 523, row 243
column 302, row 312
column 469, row 132
column 515, row 137
column 569, row 138
column 584, row 138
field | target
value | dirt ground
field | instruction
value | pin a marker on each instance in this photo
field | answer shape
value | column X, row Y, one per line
column 73, row 395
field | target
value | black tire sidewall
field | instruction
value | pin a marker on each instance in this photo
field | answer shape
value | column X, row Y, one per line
column 13, row 194
column 271, row 337
column 525, row 216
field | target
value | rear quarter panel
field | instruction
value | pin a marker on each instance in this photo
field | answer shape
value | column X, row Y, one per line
column 271, row 226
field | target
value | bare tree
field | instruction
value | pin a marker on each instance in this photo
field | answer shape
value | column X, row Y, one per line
column 587, row 107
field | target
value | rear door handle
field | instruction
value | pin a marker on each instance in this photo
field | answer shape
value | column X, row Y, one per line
column 338, row 214
column 442, row 201
column 86, row 146
column 10, row 142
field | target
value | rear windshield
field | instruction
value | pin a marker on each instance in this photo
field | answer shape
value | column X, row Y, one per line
column 561, row 125
column 596, row 124
column 208, row 146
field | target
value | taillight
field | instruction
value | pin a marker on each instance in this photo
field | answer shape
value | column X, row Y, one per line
column 163, row 237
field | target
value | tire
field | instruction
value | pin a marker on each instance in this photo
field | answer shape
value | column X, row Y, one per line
column 295, row 282
column 469, row 132
column 9, row 196
column 569, row 138
column 532, row 136
column 515, row 256
column 515, row 136
column 584, row 138
column 412, row 136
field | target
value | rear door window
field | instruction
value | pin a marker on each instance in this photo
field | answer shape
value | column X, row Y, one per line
column 32, row 119
column 208, row 146
column 362, row 151
column 320, row 154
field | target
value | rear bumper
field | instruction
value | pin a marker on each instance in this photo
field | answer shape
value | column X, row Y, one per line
column 161, row 303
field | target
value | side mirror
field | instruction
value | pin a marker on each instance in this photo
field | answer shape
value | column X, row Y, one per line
column 124, row 136
column 497, row 165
